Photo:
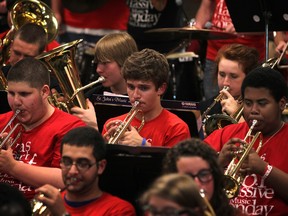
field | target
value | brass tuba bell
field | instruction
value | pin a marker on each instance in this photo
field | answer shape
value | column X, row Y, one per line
column 61, row 62
column 3, row 81
column 28, row 11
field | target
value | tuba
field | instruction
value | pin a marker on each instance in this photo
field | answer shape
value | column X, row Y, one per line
column 125, row 124
column 3, row 81
column 8, row 125
column 61, row 63
column 232, row 178
column 28, row 11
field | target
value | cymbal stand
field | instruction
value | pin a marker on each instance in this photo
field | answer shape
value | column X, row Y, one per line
column 267, row 15
column 182, row 46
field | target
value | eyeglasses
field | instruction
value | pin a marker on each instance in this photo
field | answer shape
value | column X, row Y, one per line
column 204, row 175
column 168, row 211
column 82, row 164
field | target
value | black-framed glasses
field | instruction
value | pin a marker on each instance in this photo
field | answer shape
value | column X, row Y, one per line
column 82, row 164
column 168, row 211
column 204, row 175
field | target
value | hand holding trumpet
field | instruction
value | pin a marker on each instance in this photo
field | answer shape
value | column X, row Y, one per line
column 129, row 137
column 7, row 161
column 52, row 199
column 229, row 150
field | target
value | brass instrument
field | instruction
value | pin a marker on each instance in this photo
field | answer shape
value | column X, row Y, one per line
column 38, row 208
column 125, row 124
column 3, row 81
column 210, row 211
column 205, row 116
column 218, row 121
column 275, row 62
column 233, row 179
column 7, row 138
column 29, row 11
column 62, row 65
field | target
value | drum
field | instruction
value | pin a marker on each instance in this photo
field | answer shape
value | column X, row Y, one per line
column 185, row 78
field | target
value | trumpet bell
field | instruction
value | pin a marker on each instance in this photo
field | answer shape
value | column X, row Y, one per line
column 232, row 187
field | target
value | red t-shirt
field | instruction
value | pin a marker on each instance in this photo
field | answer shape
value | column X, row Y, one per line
column 167, row 129
column 106, row 205
column 257, row 198
column 111, row 15
column 220, row 19
column 39, row 146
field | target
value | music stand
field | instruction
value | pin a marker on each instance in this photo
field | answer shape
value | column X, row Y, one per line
column 259, row 16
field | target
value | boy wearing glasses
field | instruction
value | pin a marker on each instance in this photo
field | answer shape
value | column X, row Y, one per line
column 82, row 162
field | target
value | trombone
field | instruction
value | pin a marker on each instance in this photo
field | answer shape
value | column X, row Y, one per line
column 232, row 178
column 216, row 100
column 273, row 62
column 7, row 138
column 218, row 121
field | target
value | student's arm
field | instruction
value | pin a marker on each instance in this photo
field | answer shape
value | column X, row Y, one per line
column 33, row 175
column 204, row 13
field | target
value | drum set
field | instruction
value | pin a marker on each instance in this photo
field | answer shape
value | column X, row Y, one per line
column 186, row 69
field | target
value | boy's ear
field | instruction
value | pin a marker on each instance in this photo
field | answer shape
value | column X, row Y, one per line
column 282, row 103
column 162, row 89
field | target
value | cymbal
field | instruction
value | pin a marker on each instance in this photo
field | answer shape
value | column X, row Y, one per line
column 189, row 33
column 182, row 55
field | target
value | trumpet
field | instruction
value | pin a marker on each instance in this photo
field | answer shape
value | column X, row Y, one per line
column 125, row 124
column 39, row 208
column 232, row 178
column 7, row 138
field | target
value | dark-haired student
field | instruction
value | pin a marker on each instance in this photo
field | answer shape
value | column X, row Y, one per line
column 264, row 189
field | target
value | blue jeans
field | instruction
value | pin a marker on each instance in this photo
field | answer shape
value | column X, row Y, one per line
column 210, row 84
